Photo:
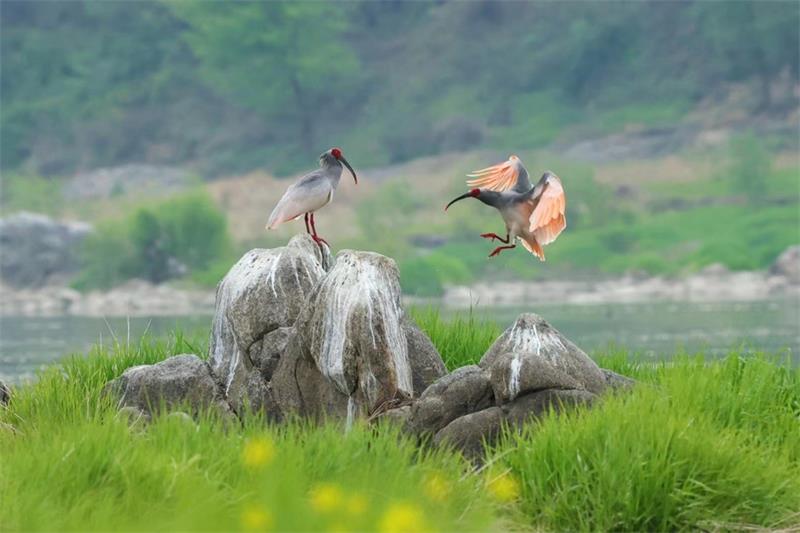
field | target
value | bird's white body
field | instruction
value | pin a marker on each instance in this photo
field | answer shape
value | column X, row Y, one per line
column 303, row 197
column 311, row 193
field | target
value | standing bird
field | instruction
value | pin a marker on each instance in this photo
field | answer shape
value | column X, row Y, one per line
column 534, row 214
column 311, row 192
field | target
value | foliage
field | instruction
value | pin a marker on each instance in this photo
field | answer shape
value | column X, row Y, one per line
column 263, row 84
column 749, row 167
column 155, row 242
column 695, row 437
column 461, row 339
column 20, row 192
column 698, row 444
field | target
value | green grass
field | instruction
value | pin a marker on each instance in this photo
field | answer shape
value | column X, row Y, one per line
column 712, row 445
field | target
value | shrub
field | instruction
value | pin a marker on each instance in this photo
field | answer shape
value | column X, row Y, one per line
column 188, row 231
column 31, row 193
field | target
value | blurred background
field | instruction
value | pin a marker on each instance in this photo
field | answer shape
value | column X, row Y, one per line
column 145, row 143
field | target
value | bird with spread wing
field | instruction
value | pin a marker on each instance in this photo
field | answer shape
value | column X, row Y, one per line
column 534, row 214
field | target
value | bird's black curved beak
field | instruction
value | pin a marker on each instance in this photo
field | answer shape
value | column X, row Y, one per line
column 353, row 172
column 454, row 200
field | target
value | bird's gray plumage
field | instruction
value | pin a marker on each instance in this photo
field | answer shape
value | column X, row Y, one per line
column 310, row 192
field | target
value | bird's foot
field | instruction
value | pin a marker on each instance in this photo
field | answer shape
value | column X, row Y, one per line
column 319, row 240
column 494, row 236
column 499, row 249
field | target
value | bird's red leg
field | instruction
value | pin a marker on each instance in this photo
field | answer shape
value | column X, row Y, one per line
column 494, row 236
column 314, row 235
column 308, row 230
column 501, row 248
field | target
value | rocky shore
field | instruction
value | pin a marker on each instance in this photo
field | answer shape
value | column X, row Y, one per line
column 715, row 283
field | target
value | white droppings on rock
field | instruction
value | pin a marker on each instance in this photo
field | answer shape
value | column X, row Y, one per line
column 524, row 339
column 355, row 286
column 273, row 269
column 513, row 376
column 351, row 413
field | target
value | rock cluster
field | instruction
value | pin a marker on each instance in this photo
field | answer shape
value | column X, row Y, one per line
column 530, row 369
column 38, row 249
column 299, row 333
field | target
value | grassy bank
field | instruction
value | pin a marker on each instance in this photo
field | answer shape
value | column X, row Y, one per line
column 695, row 445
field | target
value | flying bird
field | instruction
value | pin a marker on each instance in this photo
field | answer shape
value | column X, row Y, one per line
column 311, row 193
column 534, row 214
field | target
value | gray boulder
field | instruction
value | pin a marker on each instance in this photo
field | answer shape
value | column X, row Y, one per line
column 5, row 394
column 514, row 374
column 618, row 382
column 182, row 381
column 468, row 433
column 426, row 363
column 267, row 351
column 394, row 417
column 461, row 392
column 350, row 352
column 534, row 337
column 536, row 404
column 38, row 250
column 260, row 295
column 788, row 264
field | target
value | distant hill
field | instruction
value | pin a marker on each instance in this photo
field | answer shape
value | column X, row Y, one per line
column 232, row 87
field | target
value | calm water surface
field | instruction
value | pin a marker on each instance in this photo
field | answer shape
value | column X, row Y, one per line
column 655, row 330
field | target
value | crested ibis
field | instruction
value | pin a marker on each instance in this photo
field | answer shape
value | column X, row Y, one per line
column 311, row 192
column 534, row 214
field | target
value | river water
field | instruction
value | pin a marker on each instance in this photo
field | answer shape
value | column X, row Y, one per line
column 656, row 330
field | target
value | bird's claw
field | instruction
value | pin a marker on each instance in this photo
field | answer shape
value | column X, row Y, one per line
column 320, row 241
column 492, row 236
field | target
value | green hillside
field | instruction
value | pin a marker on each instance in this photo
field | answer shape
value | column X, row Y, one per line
column 227, row 87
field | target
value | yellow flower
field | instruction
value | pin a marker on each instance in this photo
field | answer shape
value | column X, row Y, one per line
column 504, row 488
column 402, row 518
column 254, row 518
column 258, row 452
column 436, row 487
column 356, row 504
column 326, row 497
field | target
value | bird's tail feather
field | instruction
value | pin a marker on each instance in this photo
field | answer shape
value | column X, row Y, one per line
column 533, row 247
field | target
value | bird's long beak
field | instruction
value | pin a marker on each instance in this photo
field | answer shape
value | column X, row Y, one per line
column 353, row 172
column 454, row 200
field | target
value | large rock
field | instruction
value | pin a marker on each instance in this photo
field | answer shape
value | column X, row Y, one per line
column 350, row 354
column 267, row 351
column 618, row 382
column 469, row 432
column 514, row 374
column 5, row 394
column 536, row 404
column 426, row 363
column 182, row 381
column 37, row 249
column 461, row 392
column 535, row 338
column 261, row 295
column 788, row 264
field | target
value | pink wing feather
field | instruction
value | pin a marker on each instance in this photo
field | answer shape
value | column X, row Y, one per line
column 549, row 219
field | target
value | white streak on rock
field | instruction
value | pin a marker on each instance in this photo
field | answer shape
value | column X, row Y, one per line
column 356, row 285
column 513, row 377
column 351, row 413
column 273, row 269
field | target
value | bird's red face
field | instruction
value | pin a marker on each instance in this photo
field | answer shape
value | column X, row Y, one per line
column 474, row 193
column 337, row 153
